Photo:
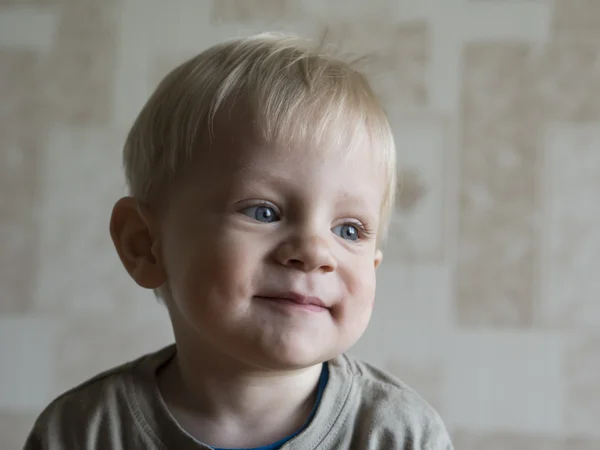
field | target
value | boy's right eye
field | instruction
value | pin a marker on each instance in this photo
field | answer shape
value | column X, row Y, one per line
column 261, row 213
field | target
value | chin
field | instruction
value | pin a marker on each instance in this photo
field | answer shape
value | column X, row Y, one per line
column 291, row 358
column 294, row 354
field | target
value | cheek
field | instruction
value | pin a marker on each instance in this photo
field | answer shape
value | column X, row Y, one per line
column 216, row 270
column 359, row 283
column 367, row 295
column 354, row 315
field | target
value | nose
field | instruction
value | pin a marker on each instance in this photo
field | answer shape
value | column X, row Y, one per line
column 306, row 253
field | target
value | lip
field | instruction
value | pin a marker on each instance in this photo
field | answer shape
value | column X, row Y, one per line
column 309, row 302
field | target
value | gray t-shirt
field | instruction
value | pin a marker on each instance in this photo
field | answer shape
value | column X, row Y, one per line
column 361, row 408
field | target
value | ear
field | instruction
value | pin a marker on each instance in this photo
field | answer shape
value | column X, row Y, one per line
column 137, row 245
column 378, row 258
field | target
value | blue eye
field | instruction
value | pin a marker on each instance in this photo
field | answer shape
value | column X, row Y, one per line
column 261, row 213
column 347, row 231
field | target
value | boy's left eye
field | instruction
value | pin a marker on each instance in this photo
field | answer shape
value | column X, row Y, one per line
column 347, row 231
column 261, row 213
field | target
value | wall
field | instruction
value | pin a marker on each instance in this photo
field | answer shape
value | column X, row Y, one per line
column 488, row 298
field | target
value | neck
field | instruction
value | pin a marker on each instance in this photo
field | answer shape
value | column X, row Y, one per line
column 227, row 404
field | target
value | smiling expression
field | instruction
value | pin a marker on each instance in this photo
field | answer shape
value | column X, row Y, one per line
column 270, row 253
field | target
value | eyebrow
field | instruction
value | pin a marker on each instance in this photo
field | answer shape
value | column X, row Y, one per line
column 264, row 175
column 346, row 197
column 343, row 197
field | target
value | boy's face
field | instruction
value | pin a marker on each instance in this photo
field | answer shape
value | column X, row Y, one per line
column 270, row 253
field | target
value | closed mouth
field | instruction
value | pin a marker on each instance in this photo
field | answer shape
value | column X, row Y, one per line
column 309, row 302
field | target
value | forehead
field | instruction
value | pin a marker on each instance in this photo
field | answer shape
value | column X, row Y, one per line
column 241, row 163
column 240, row 149
column 305, row 174
column 250, row 133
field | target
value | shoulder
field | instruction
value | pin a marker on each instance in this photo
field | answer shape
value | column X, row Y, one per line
column 393, row 407
column 380, row 387
column 94, row 406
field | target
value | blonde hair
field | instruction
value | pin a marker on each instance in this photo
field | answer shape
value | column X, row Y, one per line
column 294, row 90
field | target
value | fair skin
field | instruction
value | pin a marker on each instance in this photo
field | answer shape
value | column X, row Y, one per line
column 270, row 255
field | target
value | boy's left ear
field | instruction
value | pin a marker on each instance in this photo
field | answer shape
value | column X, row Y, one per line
column 378, row 258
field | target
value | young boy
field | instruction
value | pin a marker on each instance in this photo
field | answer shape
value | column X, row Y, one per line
column 262, row 177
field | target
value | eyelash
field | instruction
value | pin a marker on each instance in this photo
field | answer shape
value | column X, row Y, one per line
column 363, row 231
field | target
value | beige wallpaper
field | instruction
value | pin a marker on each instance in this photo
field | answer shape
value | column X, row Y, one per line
column 488, row 301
